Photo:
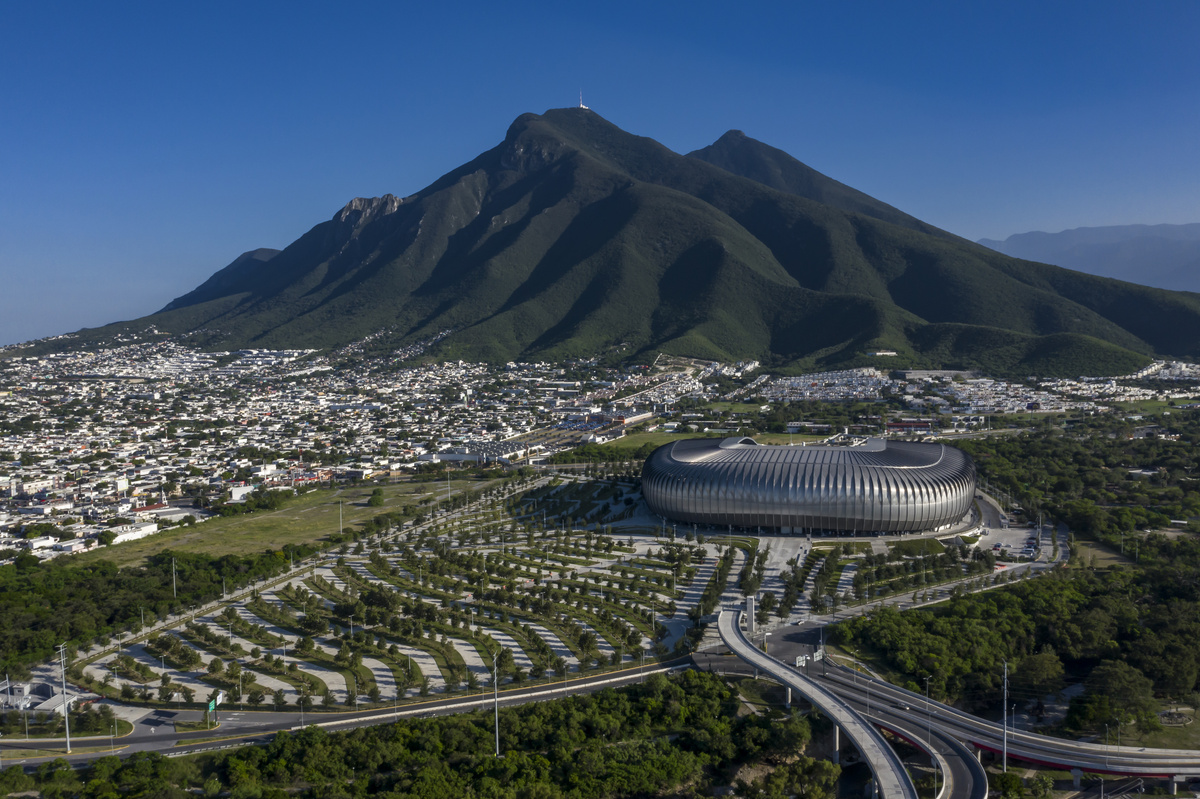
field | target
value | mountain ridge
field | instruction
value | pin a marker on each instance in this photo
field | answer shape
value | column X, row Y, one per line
column 1163, row 256
column 573, row 238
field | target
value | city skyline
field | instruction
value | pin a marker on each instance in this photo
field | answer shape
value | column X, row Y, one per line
column 145, row 149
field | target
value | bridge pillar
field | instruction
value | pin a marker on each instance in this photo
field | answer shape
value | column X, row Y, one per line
column 1076, row 777
column 788, row 702
column 978, row 754
column 1175, row 784
column 837, row 742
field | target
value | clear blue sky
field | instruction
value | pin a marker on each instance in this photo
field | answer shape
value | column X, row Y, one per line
column 144, row 146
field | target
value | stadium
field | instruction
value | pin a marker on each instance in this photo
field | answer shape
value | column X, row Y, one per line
column 876, row 486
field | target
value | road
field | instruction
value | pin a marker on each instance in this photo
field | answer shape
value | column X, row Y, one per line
column 155, row 731
column 890, row 775
column 1032, row 748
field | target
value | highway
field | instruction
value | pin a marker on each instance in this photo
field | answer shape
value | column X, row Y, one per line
column 155, row 731
column 891, row 777
column 961, row 775
column 1029, row 747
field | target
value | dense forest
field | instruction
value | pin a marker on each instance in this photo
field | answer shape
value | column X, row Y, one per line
column 1126, row 633
column 1103, row 475
column 677, row 737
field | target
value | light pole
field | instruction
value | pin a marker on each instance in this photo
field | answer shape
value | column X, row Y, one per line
column 928, row 715
column 496, row 695
column 112, row 742
column 1004, row 710
column 62, row 660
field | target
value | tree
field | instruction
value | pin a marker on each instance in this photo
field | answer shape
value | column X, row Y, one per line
column 1040, row 674
column 279, row 698
column 1042, row 787
column 256, row 697
column 1007, row 785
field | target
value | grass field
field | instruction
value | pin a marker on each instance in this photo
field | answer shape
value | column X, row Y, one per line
column 1145, row 406
column 734, row 407
column 918, row 546
column 658, row 438
column 1186, row 737
column 21, row 754
column 1105, row 557
column 305, row 519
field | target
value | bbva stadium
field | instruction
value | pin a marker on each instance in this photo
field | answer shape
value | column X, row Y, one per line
column 877, row 486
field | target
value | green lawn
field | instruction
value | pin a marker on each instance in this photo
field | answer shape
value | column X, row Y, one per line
column 1145, row 406
column 918, row 546
column 308, row 518
column 660, row 437
column 1105, row 557
column 734, row 407
column 1186, row 737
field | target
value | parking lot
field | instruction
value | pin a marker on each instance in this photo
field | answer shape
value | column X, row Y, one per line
column 1012, row 540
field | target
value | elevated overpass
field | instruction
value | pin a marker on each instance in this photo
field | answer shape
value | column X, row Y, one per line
column 1174, row 765
column 891, row 777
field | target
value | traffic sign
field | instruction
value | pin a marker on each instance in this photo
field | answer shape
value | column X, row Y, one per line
column 212, row 706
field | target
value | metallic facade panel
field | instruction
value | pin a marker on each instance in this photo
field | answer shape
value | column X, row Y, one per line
column 880, row 486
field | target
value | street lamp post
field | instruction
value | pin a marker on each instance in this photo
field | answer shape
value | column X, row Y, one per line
column 62, row 659
column 112, row 742
column 928, row 715
column 496, row 696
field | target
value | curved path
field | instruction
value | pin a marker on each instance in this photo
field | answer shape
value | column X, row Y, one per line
column 890, row 774
column 1171, row 764
column 963, row 775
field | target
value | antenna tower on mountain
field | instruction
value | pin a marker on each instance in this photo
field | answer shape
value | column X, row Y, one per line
column 581, row 105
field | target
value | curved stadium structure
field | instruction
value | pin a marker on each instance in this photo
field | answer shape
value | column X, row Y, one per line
column 880, row 486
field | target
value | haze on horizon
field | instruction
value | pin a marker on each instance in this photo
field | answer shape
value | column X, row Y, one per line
column 144, row 147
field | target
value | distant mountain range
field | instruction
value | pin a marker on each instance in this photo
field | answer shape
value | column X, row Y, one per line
column 1166, row 256
column 573, row 238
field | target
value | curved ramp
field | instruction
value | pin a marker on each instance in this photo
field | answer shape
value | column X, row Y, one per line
column 890, row 774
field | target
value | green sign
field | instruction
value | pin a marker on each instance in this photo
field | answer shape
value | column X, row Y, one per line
column 212, row 706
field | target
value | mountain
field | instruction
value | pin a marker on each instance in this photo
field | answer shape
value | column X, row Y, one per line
column 738, row 153
column 573, row 238
column 240, row 276
column 1166, row 256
